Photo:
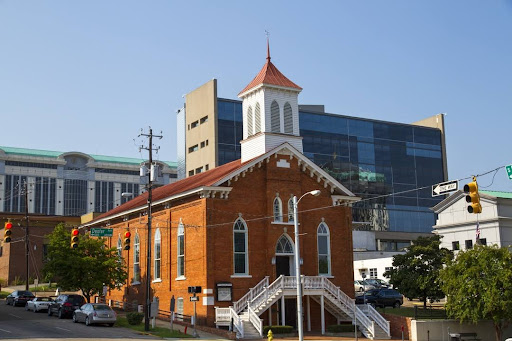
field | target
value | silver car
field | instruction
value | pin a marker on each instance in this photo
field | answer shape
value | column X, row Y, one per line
column 95, row 313
column 38, row 303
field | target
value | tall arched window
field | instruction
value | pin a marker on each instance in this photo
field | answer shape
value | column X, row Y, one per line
column 257, row 119
column 249, row 122
column 136, row 259
column 288, row 119
column 324, row 250
column 290, row 210
column 240, row 247
column 181, row 250
column 119, row 247
column 158, row 254
column 278, row 210
column 275, row 121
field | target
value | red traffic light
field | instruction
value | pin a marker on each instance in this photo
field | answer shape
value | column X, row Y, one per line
column 127, row 234
column 75, row 232
column 8, row 225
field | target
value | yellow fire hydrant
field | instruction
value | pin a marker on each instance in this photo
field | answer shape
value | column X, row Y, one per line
column 270, row 335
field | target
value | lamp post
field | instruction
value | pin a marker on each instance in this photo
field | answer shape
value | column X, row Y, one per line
column 297, row 260
column 364, row 287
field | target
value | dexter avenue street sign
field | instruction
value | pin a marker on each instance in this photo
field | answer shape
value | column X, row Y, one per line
column 444, row 187
column 101, row 232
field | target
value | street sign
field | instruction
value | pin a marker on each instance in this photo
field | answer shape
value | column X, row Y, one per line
column 194, row 299
column 509, row 172
column 101, row 232
column 445, row 187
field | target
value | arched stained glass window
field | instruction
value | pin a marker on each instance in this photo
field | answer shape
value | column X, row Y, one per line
column 278, row 210
column 324, row 249
column 284, row 245
column 181, row 250
column 240, row 245
column 290, row 210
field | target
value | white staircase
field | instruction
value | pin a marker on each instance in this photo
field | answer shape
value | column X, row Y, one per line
column 246, row 311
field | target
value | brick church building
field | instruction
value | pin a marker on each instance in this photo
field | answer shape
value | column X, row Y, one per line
column 230, row 230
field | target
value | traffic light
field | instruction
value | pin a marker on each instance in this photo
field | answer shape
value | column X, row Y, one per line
column 74, row 238
column 7, row 232
column 472, row 197
column 126, row 240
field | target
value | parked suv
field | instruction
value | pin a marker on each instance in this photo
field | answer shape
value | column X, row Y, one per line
column 19, row 297
column 65, row 305
column 382, row 298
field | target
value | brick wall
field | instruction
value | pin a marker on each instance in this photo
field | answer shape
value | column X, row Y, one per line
column 395, row 324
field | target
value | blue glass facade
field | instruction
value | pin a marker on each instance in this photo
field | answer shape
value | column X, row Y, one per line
column 371, row 158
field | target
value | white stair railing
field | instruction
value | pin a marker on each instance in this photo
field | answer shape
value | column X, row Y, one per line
column 242, row 303
column 263, row 296
column 378, row 318
column 226, row 316
column 238, row 324
column 256, row 321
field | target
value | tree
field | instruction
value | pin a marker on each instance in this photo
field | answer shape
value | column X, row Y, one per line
column 88, row 268
column 478, row 285
column 416, row 273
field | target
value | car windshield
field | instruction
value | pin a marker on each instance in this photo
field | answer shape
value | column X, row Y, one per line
column 75, row 300
column 25, row 293
column 101, row 307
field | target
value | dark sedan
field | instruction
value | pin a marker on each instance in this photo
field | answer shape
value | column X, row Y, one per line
column 19, row 297
column 381, row 298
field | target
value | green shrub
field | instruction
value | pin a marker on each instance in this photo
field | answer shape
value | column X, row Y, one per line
column 340, row 328
column 134, row 318
column 277, row 330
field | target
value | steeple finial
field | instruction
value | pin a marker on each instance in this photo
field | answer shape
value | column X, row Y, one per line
column 268, row 45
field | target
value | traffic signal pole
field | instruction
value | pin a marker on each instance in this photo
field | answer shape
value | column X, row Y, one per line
column 26, row 236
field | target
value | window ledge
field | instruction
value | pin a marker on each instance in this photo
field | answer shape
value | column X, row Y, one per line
column 326, row 276
column 241, row 276
column 290, row 223
column 158, row 280
column 181, row 278
column 135, row 283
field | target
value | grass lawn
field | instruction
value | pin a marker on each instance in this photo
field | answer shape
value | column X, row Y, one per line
column 157, row 331
column 409, row 312
column 3, row 294
column 43, row 288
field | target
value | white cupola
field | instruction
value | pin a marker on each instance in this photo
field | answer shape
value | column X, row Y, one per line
column 270, row 112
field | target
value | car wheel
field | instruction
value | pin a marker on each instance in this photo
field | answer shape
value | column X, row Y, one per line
column 74, row 318
column 361, row 289
column 60, row 314
column 396, row 305
column 87, row 322
column 35, row 309
column 26, row 307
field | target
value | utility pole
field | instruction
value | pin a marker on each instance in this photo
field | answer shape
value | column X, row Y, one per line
column 25, row 188
column 149, row 148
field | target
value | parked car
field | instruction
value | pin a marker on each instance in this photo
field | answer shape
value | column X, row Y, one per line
column 95, row 313
column 378, row 283
column 363, row 286
column 19, row 297
column 64, row 305
column 38, row 303
column 381, row 298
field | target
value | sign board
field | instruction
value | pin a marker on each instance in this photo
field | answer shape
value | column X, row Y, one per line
column 445, row 187
column 173, row 303
column 101, row 232
column 509, row 172
column 194, row 299
column 154, row 306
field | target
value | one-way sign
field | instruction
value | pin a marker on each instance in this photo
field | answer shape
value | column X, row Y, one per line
column 444, row 187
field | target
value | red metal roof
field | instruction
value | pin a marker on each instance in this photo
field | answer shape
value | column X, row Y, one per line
column 269, row 74
column 207, row 178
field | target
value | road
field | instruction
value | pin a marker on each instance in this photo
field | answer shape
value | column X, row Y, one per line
column 16, row 323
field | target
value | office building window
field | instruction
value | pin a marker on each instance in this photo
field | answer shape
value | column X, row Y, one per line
column 13, row 193
column 194, row 124
column 193, row 148
column 44, row 196
column 483, row 241
column 324, row 250
column 75, row 197
column 181, row 250
column 455, row 246
column 190, row 172
column 199, row 170
column 469, row 244
column 373, row 273
column 104, row 196
column 157, row 257
column 203, row 120
column 130, row 188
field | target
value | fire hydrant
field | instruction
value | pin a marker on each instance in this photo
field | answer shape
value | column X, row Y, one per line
column 270, row 335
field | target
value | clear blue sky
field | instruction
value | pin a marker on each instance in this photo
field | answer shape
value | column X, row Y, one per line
column 87, row 75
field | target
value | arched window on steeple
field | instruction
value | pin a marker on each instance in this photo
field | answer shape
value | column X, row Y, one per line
column 275, row 121
column 249, row 122
column 288, row 119
column 257, row 119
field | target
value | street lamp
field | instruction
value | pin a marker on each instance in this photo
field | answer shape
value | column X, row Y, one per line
column 364, row 287
column 297, row 260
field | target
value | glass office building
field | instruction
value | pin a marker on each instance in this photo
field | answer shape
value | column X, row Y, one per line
column 384, row 163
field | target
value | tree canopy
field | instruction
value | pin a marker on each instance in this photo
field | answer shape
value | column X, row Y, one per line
column 478, row 285
column 88, row 268
column 416, row 273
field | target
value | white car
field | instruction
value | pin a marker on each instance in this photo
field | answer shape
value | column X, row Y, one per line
column 38, row 303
